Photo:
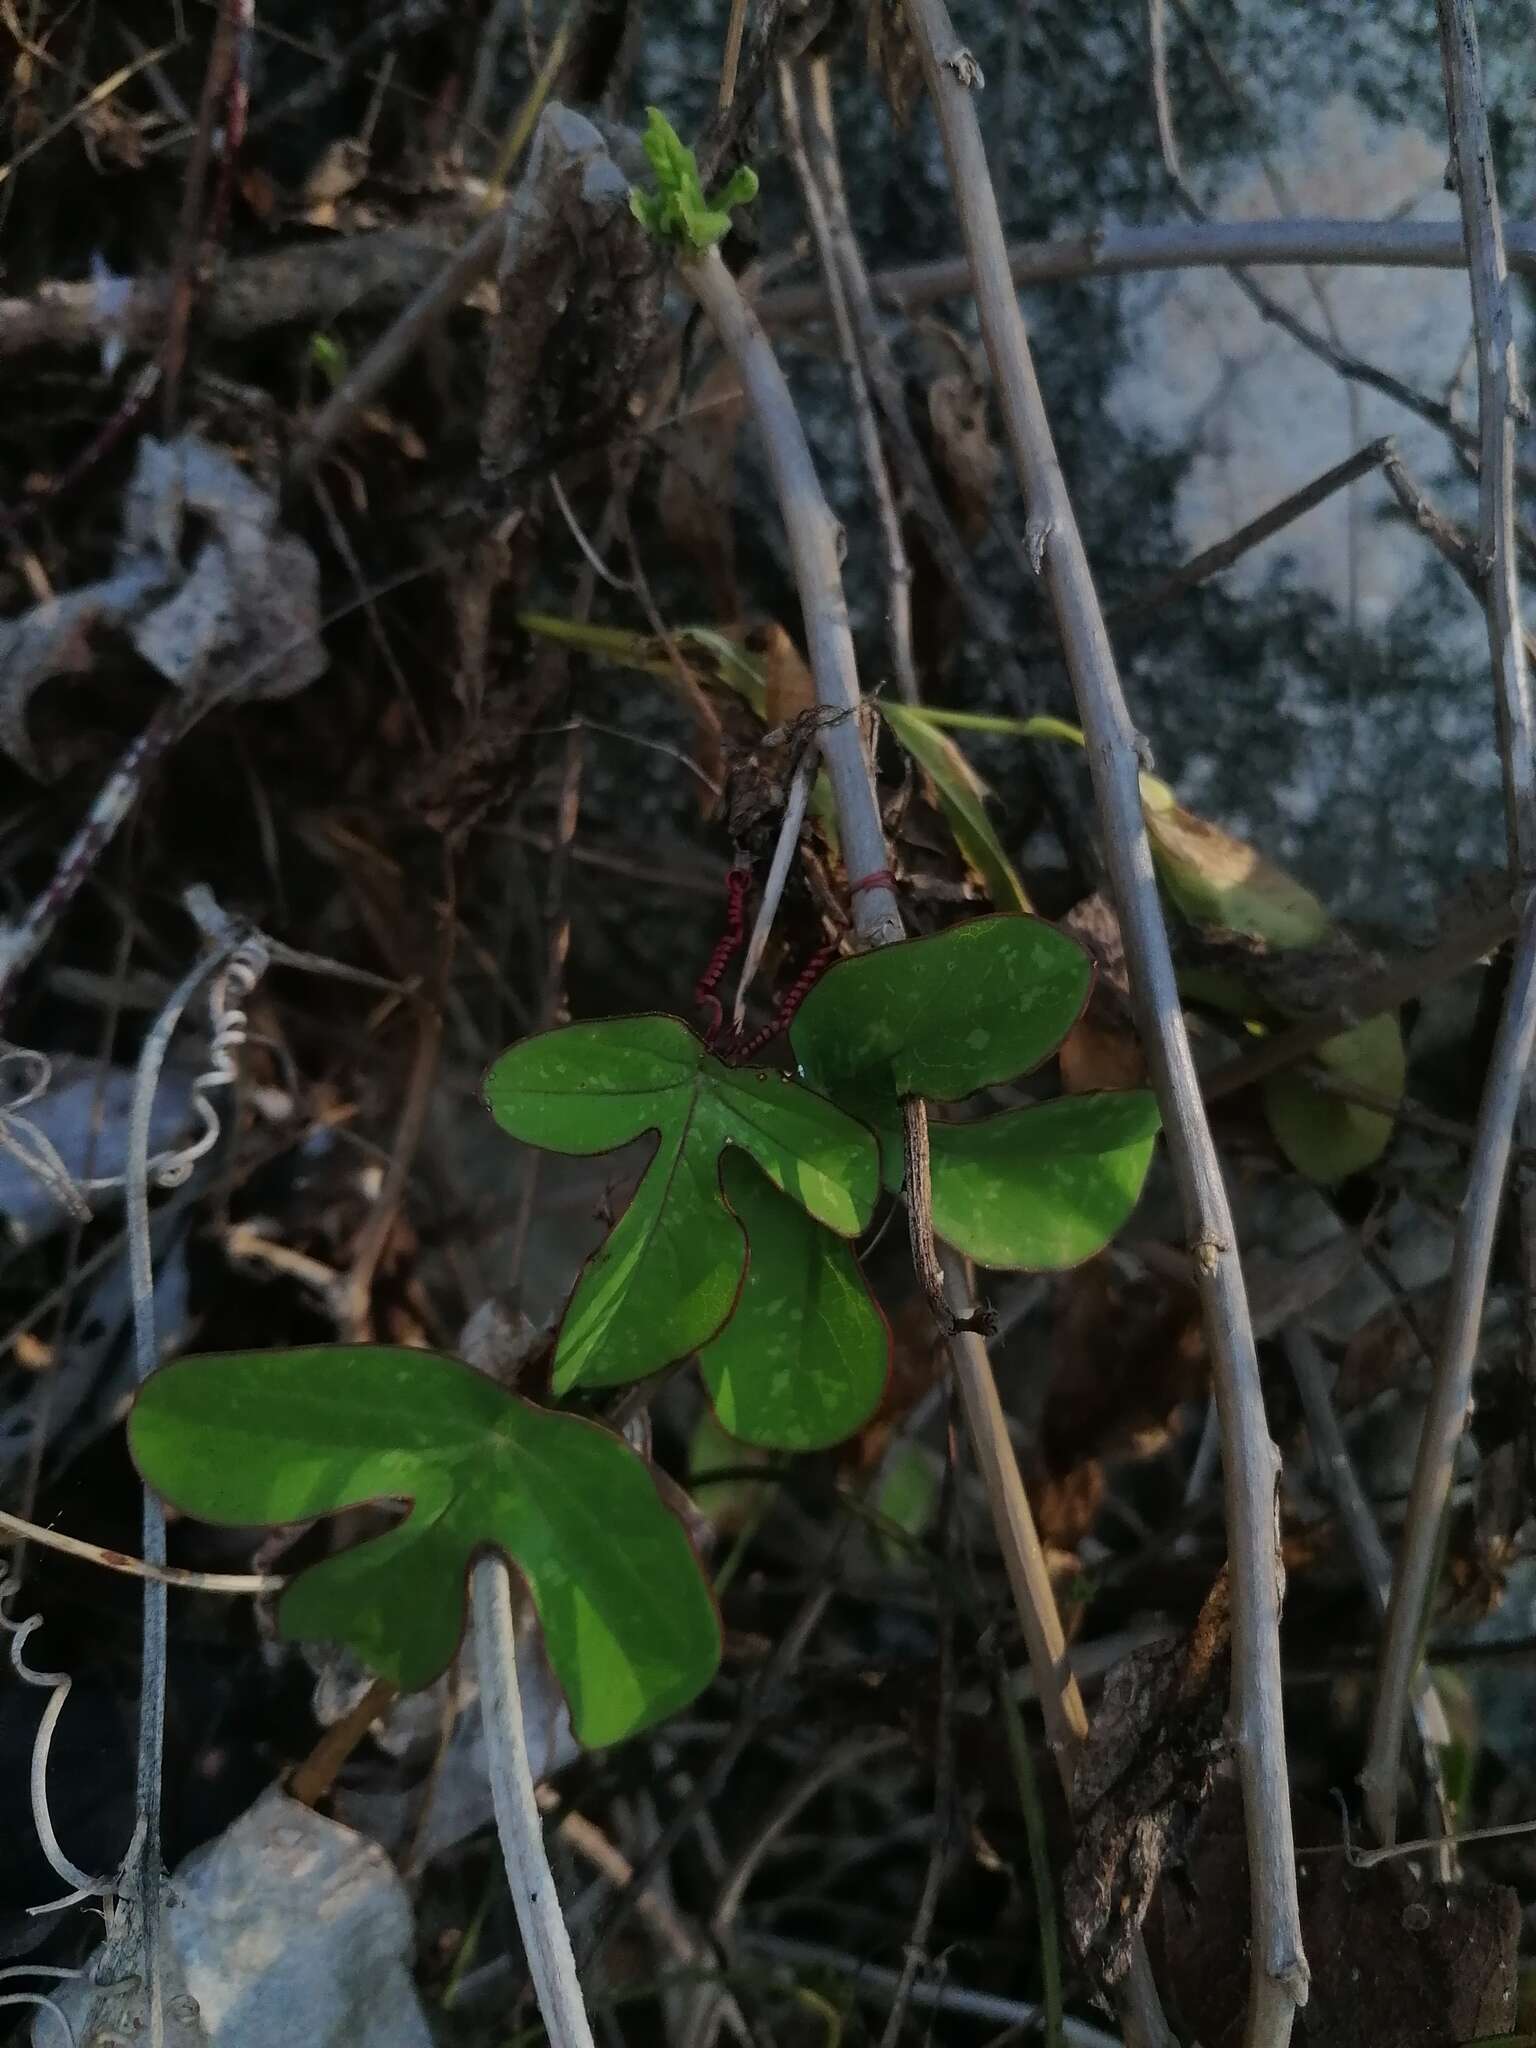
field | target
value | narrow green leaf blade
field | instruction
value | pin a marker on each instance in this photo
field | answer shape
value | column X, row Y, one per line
column 1044, row 1188
column 259, row 1437
column 941, row 1017
column 961, row 795
column 803, row 1362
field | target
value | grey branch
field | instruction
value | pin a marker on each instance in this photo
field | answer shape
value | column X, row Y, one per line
column 816, row 547
column 1507, row 1093
column 381, row 272
column 1176, row 245
column 546, row 1944
column 1250, row 1461
column 1445, row 1414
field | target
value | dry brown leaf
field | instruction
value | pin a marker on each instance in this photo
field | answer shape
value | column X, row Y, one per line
column 966, row 457
column 1140, row 1780
column 1396, row 1961
column 1102, row 1051
column 1128, row 1352
column 790, row 690
column 893, row 57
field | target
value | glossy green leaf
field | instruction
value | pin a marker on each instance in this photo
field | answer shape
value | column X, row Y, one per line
column 803, row 1361
column 667, row 1277
column 1322, row 1135
column 1042, row 1188
column 282, row 1436
column 962, row 798
column 941, row 1017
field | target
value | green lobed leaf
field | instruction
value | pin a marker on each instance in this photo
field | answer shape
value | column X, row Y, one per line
column 941, row 1017
column 1323, row 1136
column 803, row 1362
column 962, row 798
column 1046, row 1187
column 667, row 1277
column 272, row 1437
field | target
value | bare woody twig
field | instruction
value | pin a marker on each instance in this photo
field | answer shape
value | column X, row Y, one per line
column 1327, row 348
column 814, row 181
column 1461, row 948
column 1212, row 560
column 1508, row 1092
column 1250, row 1462
column 815, row 541
column 387, row 268
column 12, row 1526
column 1175, row 245
column 540, row 1921
column 1452, row 542
column 1372, row 1560
column 1450, row 1394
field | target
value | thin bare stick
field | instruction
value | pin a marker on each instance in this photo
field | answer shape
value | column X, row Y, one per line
column 786, row 846
column 815, row 542
column 1509, row 1091
column 316, row 282
column 138, row 1949
column 22, row 942
column 1250, row 1462
column 546, row 1944
column 1372, row 1560
column 1174, row 245
column 844, row 1757
column 1461, row 948
column 920, row 490
column 1445, row 1414
column 1499, row 400
column 1452, row 542
column 1327, row 348
column 138, row 1567
column 1056, row 1687
column 399, row 342
column 815, row 183
column 730, row 62
column 194, row 199
column 1211, row 561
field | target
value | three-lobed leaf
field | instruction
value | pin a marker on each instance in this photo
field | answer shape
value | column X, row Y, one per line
column 283, row 1436
column 1044, row 1188
column 1039, row 1188
column 667, row 1277
column 802, row 1364
column 941, row 1017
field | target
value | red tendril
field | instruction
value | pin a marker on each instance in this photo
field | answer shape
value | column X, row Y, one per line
column 789, row 1002
column 737, row 883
